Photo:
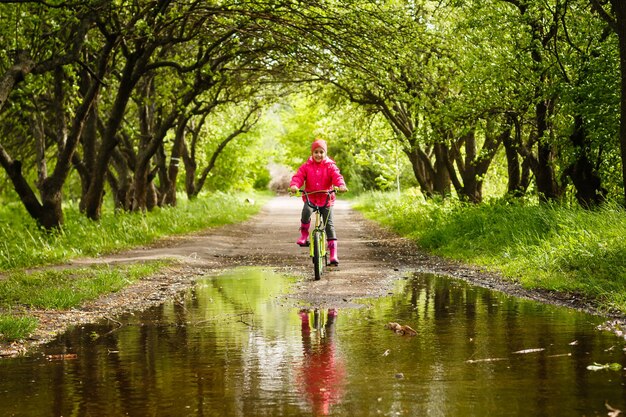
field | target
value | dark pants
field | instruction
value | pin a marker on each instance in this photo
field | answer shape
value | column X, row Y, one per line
column 327, row 213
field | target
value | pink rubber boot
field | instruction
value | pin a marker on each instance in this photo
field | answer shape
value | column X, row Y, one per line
column 332, row 248
column 304, row 236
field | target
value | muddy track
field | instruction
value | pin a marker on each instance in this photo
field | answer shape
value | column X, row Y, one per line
column 371, row 260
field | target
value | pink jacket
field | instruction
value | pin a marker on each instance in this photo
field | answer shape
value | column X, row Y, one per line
column 318, row 177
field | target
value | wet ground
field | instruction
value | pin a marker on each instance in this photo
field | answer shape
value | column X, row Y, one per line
column 236, row 345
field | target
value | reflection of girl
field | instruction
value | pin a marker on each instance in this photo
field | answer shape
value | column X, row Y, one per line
column 322, row 374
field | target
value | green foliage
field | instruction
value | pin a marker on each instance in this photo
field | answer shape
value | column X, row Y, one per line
column 22, row 244
column 247, row 149
column 361, row 144
column 541, row 246
column 299, row 119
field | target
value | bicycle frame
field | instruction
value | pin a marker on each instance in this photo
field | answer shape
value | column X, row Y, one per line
column 318, row 249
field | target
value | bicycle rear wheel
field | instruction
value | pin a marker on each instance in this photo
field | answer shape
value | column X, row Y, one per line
column 318, row 259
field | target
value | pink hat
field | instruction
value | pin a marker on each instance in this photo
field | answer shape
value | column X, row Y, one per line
column 319, row 143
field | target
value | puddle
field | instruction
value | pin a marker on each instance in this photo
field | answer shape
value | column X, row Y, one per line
column 230, row 348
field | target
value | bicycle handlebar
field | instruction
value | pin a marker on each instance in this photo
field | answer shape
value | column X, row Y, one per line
column 328, row 193
column 300, row 193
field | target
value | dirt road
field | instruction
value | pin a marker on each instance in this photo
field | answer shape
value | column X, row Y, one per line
column 371, row 259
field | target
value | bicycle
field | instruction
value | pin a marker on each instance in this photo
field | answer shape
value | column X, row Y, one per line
column 318, row 250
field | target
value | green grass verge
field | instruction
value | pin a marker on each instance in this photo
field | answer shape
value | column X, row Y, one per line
column 61, row 290
column 64, row 289
column 23, row 245
column 551, row 247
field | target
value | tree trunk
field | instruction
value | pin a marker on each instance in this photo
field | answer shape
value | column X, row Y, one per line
column 471, row 164
column 541, row 33
column 25, row 193
column 52, row 209
column 95, row 193
column 88, row 142
column 140, row 187
column 588, row 184
column 419, row 171
column 85, row 166
column 122, row 183
column 23, row 66
column 152, row 194
column 544, row 173
column 169, row 189
column 618, row 24
column 514, row 186
column 472, row 186
column 244, row 127
column 441, row 180
column 191, row 167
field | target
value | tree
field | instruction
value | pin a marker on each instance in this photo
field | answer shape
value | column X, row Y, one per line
column 146, row 32
column 195, row 182
column 616, row 19
column 45, row 61
column 408, row 71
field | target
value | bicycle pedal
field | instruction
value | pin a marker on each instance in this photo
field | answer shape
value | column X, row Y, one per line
column 306, row 244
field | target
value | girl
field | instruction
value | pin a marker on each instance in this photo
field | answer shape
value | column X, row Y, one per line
column 319, row 173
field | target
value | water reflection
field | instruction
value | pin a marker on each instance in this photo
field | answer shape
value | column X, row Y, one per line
column 322, row 372
column 232, row 346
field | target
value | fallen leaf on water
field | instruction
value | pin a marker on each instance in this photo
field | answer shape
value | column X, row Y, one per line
column 401, row 329
column 608, row 366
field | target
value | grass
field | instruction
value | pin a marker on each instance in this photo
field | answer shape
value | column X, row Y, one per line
column 551, row 247
column 65, row 289
column 24, row 246
column 15, row 328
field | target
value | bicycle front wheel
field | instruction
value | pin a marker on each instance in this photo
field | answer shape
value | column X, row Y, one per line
column 318, row 254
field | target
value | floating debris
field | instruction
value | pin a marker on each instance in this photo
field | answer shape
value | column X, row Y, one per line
column 485, row 360
column 613, row 412
column 525, row 351
column 607, row 366
column 401, row 329
column 559, row 355
column 62, row 357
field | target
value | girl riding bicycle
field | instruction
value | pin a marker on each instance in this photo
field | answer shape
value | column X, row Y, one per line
column 319, row 173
